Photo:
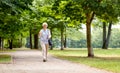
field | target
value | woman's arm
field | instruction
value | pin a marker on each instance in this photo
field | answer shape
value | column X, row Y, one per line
column 49, row 34
column 39, row 34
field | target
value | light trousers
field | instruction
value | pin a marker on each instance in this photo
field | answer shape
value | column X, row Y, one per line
column 44, row 47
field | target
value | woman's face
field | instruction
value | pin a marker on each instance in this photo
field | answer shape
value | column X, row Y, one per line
column 45, row 26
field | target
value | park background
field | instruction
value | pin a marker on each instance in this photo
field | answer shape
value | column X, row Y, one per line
column 84, row 31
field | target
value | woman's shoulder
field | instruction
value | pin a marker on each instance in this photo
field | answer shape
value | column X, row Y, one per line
column 48, row 29
column 41, row 30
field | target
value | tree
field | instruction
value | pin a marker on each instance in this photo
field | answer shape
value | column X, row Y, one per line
column 65, row 40
column 77, row 10
column 110, row 14
column 84, row 11
column 106, row 38
column 10, row 14
column 10, row 29
column 104, row 34
column 0, row 42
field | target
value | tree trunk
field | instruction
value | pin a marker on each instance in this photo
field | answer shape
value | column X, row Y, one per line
column 0, row 43
column 2, row 47
column 62, row 39
column 30, row 39
column 21, row 41
column 51, row 46
column 10, row 44
column 108, row 36
column 65, row 42
column 36, row 41
column 104, row 35
column 90, row 17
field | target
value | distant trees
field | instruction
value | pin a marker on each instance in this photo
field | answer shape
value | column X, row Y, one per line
column 10, row 11
column 80, row 40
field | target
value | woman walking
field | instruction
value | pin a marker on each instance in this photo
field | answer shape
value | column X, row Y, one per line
column 44, row 36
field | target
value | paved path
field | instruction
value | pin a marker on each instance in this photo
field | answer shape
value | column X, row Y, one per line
column 31, row 62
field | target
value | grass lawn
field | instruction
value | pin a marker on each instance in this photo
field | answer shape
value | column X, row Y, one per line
column 5, row 59
column 104, row 59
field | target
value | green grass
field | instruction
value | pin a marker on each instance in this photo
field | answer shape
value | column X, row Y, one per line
column 5, row 59
column 7, row 50
column 104, row 59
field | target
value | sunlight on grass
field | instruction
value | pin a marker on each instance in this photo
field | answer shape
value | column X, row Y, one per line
column 15, row 49
column 104, row 59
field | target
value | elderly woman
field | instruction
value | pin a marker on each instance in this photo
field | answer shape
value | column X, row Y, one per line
column 44, row 36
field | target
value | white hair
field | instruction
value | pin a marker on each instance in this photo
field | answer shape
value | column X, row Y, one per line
column 44, row 24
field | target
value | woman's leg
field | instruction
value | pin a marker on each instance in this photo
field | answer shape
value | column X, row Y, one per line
column 46, row 45
column 43, row 46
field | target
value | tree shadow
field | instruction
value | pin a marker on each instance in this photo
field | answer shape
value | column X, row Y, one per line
column 109, row 58
column 95, row 58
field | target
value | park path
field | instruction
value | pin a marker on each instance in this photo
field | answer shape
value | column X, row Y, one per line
column 31, row 62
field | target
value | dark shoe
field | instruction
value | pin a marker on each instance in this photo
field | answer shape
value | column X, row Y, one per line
column 44, row 60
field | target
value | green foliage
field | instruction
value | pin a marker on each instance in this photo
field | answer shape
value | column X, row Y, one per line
column 75, row 38
column 10, row 27
column 76, row 34
column 115, row 42
column 17, row 43
column 109, row 10
column 10, row 23
column 78, row 38
column 97, row 37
